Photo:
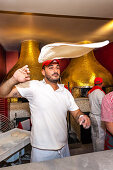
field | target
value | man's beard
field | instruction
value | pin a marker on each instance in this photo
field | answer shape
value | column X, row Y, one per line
column 49, row 78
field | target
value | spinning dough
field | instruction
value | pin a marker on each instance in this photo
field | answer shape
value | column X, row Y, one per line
column 67, row 50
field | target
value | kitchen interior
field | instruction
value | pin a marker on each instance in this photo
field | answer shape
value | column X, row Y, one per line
column 25, row 27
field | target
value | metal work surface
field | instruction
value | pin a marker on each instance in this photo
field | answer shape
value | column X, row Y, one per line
column 92, row 161
column 12, row 141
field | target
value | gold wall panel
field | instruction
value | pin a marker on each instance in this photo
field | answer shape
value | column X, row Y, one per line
column 29, row 56
column 82, row 71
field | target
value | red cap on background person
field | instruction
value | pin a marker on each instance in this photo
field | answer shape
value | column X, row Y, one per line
column 48, row 62
column 98, row 80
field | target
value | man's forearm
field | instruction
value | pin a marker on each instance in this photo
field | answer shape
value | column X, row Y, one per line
column 76, row 114
column 6, row 87
column 79, row 113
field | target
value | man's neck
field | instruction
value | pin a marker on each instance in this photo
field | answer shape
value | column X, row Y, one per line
column 53, row 85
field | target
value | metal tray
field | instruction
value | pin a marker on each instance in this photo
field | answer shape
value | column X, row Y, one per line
column 13, row 141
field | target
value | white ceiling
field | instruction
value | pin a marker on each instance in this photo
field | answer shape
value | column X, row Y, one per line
column 54, row 21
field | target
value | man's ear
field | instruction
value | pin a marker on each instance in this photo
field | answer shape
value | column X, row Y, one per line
column 43, row 72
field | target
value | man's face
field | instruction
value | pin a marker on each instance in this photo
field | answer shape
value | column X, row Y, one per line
column 52, row 72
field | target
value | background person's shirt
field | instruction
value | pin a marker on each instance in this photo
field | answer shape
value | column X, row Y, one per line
column 107, row 108
column 95, row 100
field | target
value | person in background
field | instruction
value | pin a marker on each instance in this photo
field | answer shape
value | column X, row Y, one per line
column 107, row 118
column 95, row 96
column 49, row 103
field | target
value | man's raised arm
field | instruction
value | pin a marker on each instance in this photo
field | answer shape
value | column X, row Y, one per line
column 21, row 75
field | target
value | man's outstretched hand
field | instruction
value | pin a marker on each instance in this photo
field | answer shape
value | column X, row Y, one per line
column 22, row 75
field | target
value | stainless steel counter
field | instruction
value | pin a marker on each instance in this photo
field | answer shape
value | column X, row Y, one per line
column 12, row 141
column 92, row 161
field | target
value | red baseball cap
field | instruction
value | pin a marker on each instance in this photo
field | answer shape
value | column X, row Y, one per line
column 48, row 62
column 98, row 80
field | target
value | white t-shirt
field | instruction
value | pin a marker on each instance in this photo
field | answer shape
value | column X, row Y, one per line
column 48, row 113
column 95, row 100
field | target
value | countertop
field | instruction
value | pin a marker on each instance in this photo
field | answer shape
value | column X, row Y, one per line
column 91, row 161
column 12, row 141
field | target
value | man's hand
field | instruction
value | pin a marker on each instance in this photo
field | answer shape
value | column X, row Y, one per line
column 22, row 75
column 81, row 118
column 85, row 121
